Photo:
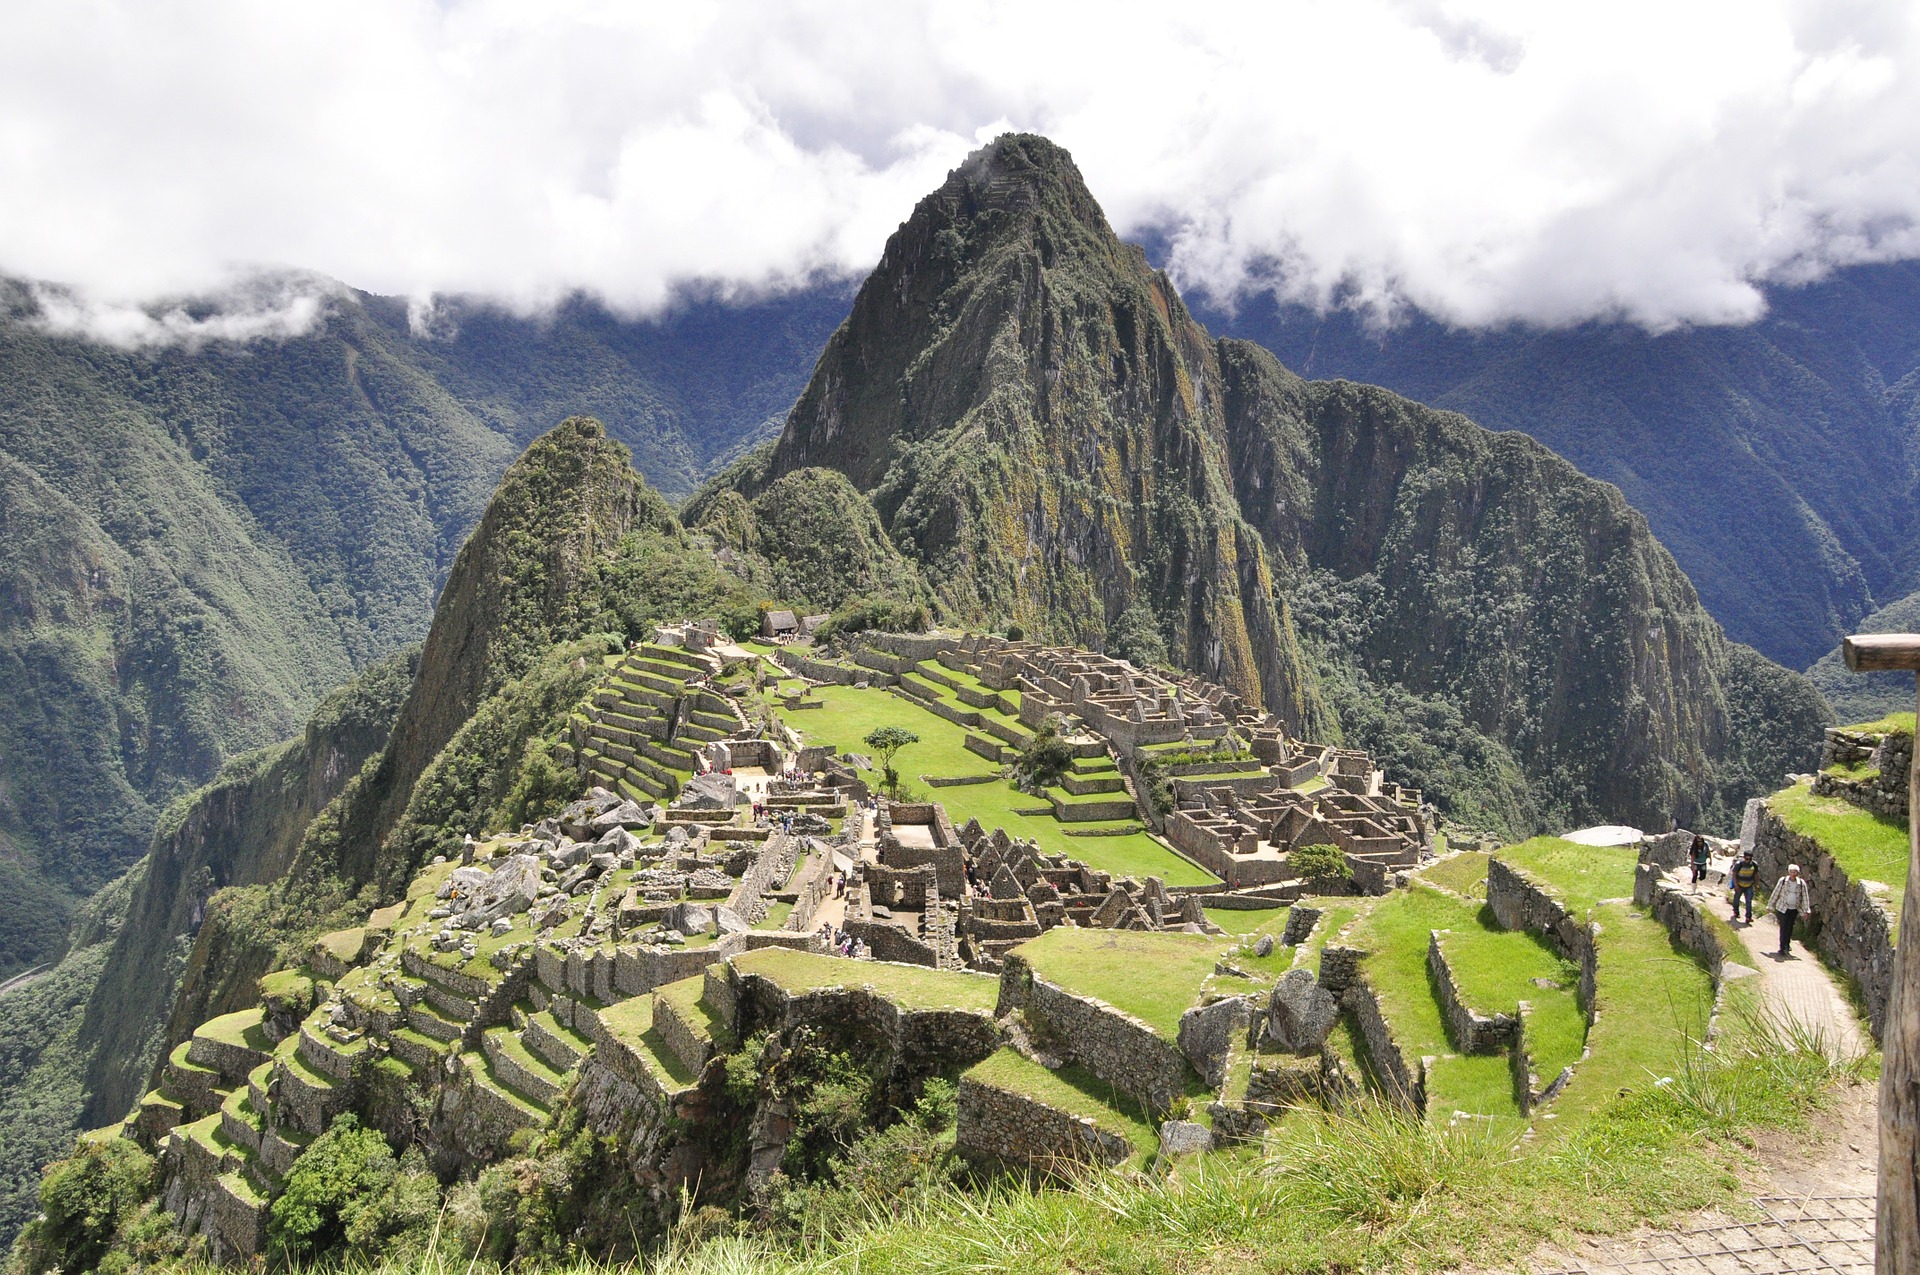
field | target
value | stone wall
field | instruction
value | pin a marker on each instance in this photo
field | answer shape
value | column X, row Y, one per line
column 1520, row 903
column 1109, row 1042
column 1851, row 922
column 891, row 943
column 1884, row 790
column 1405, row 1081
column 1010, row 1129
column 1674, row 906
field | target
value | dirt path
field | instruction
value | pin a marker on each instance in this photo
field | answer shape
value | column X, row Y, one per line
column 1813, row 1199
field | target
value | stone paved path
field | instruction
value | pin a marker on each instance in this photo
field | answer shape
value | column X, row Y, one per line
column 1792, row 1234
column 1798, row 985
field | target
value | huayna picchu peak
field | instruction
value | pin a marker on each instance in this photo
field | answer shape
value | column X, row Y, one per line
column 1042, row 426
column 1074, row 764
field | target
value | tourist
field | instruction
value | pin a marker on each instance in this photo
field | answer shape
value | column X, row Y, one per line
column 1745, row 875
column 1791, row 901
column 1700, row 854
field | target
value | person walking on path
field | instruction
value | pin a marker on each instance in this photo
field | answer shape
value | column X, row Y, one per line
column 1791, row 901
column 1745, row 875
column 1700, row 854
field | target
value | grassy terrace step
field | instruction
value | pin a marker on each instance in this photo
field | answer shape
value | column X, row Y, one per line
column 908, row 986
column 1494, row 969
column 486, row 1076
column 1156, row 977
column 630, row 1024
column 298, row 1070
column 1648, row 996
column 1069, row 1089
column 1868, row 847
column 525, row 1073
column 415, row 1048
column 690, row 1026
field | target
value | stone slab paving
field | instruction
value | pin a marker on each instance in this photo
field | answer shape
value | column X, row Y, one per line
column 1792, row 1234
column 1797, row 985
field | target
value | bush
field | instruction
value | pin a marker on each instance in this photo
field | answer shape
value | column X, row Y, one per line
column 1323, row 867
column 1044, row 761
column 334, row 1191
column 85, row 1200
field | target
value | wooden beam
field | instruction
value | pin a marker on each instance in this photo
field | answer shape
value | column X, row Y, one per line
column 1882, row 652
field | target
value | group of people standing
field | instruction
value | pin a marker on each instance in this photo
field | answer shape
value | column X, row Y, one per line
column 842, row 942
column 1790, row 901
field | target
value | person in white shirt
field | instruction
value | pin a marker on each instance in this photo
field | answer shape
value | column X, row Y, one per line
column 1791, row 901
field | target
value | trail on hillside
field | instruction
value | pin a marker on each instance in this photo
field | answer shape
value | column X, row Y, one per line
column 1814, row 1206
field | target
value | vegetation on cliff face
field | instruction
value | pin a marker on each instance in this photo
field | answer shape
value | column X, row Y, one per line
column 240, row 830
column 1041, row 425
column 43, row 1055
column 1775, row 459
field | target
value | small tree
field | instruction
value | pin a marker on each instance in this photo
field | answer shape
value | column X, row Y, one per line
column 1044, row 761
column 1323, row 867
column 885, row 741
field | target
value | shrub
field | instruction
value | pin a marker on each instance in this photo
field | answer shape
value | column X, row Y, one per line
column 337, row 1181
column 1135, row 636
column 1044, row 761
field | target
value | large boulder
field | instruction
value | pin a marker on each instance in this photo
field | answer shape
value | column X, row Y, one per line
column 1300, row 1013
column 627, row 814
column 708, row 792
column 691, row 918
column 728, row 921
column 510, row 888
column 1208, row 1032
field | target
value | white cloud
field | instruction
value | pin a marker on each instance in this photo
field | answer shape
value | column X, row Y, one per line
column 1486, row 162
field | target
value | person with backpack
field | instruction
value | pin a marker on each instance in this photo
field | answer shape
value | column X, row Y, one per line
column 1745, row 875
column 1791, row 901
column 1700, row 854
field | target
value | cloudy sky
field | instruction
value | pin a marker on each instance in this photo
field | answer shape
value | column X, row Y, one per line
column 1485, row 162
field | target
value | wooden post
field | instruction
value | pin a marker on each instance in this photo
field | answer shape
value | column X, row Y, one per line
column 1897, row 1246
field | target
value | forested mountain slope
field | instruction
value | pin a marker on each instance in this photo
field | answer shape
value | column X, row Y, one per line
column 204, row 540
column 1778, row 461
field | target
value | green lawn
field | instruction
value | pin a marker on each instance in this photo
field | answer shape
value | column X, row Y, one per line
column 1650, row 998
column 242, row 1027
column 1495, row 971
column 1464, row 873
column 1070, row 1089
column 631, row 1021
column 1249, row 921
column 1902, row 723
column 1581, row 875
column 910, row 986
column 1156, row 977
column 849, row 716
column 1867, row 846
column 1395, row 936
